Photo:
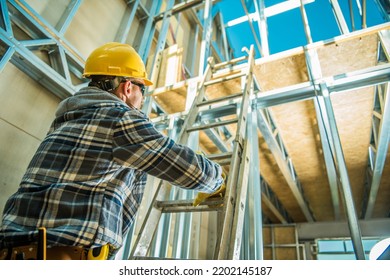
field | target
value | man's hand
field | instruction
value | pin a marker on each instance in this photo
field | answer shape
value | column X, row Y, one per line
column 200, row 197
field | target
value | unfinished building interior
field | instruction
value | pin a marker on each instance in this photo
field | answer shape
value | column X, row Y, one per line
column 302, row 132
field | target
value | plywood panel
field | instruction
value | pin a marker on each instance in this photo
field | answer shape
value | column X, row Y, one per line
column 281, row 72
column 267, row 235
column 267, row 254
column 280, row 243
column 353, row 112
column 298, row 127
column 347, row 56
column 286, row 254
column 172, row 101
column 284, row 235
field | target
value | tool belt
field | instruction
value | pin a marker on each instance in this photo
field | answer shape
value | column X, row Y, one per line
column 30, row 252
column 39, row 251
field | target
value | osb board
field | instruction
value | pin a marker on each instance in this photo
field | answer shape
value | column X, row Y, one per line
column 173, row 100
column 280, row 254
column 224, row 88
column 267, row 235
column 347, row 56
column 279, row 235
column 297, row 125
column 281, row 72
column 271, row 173
column 286, row 253
column 353, row 112
column 284, row 235
column 267, row 254
column 281, row 241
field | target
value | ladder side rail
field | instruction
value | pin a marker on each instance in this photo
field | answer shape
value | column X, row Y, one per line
column 231, row 186
column 239, row 211
column 143, row 241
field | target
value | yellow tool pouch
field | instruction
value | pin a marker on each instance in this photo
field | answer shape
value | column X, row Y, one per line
column 99, row 253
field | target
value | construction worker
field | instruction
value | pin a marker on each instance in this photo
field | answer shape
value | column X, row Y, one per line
column 86, row 181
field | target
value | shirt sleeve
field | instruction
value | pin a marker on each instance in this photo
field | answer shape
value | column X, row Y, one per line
column 138, row 145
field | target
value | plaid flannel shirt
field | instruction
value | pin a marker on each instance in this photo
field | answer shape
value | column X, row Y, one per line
column 87, row 178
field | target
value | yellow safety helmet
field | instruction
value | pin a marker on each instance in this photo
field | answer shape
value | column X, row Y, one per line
column 116, row 59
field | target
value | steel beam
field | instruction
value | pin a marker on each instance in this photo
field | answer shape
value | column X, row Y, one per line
column 263, row 29
column 379, row 145
column 315, row 73
column 380, row 134
column 269, row 11
column 339, row 17
column 127, row 20
column 304, row 91
column 328, row 116
column 253, row 226
column 258, row 44
column 68, row 16
column 162, row 38
column 64, row 57
column 306, row 24
column 206, row 37
column 369, row 228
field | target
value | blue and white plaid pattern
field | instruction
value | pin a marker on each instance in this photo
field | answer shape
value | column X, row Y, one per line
column 87, row 178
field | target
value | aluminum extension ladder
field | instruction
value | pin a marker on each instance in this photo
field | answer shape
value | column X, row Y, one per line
column 231, row 208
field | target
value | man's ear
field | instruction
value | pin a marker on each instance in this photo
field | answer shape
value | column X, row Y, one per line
column 127, row 88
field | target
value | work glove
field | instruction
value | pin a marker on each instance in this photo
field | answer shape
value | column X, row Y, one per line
column 200, row 197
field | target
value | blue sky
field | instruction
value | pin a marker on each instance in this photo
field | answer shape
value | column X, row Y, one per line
column 286, row 30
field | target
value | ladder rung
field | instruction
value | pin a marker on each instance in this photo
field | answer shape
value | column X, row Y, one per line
column 211, row 125
column 230, row 62
column 224, row 79
column 222, row 159
column 216, row 157
column 224, row 162
column 179, row 206
column 208, row 102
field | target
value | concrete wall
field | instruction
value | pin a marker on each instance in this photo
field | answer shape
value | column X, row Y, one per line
column 26, row 111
